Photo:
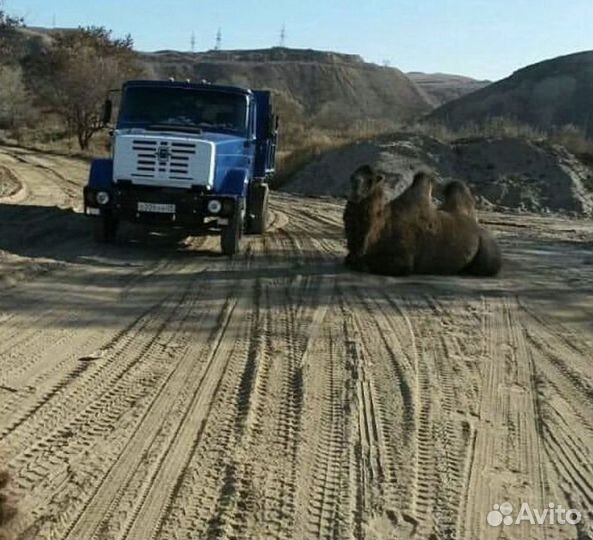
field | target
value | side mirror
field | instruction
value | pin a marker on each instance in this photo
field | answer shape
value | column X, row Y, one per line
column 107, row 109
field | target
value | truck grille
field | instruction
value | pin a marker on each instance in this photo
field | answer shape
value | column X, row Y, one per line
column 155, row 159
column 168, row 161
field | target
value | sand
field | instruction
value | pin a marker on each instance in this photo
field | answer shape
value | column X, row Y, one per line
column 154, row 389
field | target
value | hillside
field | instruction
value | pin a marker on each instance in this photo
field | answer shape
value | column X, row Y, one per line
column 329, row 89
column 441, row 88
column 550, row 93
column 313, row 88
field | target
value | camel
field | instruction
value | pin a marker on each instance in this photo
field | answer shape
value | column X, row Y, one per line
column 7, row 511
column 410, row 234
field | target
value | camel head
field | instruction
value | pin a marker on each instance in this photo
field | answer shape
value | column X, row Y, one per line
column 364, row 181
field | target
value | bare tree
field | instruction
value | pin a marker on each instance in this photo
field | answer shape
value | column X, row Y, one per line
column 15, row 101
column 81, row 68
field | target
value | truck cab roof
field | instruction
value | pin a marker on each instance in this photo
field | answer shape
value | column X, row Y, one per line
column 190, row 85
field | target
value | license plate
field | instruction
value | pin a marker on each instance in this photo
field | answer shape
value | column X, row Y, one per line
column 157, row 208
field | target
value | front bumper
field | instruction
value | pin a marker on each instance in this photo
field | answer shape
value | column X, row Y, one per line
column 161, row 206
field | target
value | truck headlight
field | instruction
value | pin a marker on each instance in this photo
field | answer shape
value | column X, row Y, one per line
column 214, row 206
column 102, row 198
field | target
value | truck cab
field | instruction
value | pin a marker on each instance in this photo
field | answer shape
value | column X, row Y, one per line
column 197, row 156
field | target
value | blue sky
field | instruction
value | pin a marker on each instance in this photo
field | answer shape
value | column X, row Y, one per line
column 479, row 38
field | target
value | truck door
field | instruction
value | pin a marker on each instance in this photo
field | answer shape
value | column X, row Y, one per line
column 266, row 134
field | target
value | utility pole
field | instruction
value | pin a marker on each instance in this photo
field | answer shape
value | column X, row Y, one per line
column 192, row 42
column 218, row 40
column 283, row 36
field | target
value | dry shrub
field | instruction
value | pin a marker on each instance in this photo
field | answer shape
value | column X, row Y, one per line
column 571, row 137
column 575, row 141
column 492, row 127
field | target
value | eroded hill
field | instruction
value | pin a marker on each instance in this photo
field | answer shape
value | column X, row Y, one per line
column 443, row 87
column 326, row 88
column 548, row 94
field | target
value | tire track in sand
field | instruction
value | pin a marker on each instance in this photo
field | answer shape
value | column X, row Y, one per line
column 91, row 521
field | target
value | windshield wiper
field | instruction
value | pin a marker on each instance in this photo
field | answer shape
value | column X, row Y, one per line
column 174, row 127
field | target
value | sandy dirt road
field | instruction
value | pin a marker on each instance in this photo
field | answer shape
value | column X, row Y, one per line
column 154, row 389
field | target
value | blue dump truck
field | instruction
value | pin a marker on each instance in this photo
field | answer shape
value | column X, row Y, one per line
column 197, row 156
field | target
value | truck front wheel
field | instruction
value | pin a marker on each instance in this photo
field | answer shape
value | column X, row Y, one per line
column 106, row 229
column 230, row 235
column 258, row 209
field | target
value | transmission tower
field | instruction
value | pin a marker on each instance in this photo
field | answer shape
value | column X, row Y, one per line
column 192, row 42
column 218, row 40
column 283, row 36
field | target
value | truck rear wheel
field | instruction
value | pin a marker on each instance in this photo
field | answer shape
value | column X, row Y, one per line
column 258, row 209
column 106, row 229
column 230, row 235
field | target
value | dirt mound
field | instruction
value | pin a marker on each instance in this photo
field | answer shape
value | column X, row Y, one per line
column 504, row 172
column 326, row 88
column 550, row 93
column 441, row 88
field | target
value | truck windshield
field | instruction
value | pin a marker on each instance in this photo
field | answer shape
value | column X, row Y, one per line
column 183, row 108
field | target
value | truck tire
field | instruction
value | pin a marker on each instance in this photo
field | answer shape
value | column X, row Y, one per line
column 106, row 229
column 230, row 235
column 258, row 208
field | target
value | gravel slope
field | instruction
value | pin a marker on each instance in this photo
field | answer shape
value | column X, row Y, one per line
column 154, row 389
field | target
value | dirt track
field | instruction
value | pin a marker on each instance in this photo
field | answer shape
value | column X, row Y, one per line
column 154, row 389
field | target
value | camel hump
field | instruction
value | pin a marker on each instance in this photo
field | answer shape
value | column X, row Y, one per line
column 423, row 184
column 458, row 198
column 418, row 194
